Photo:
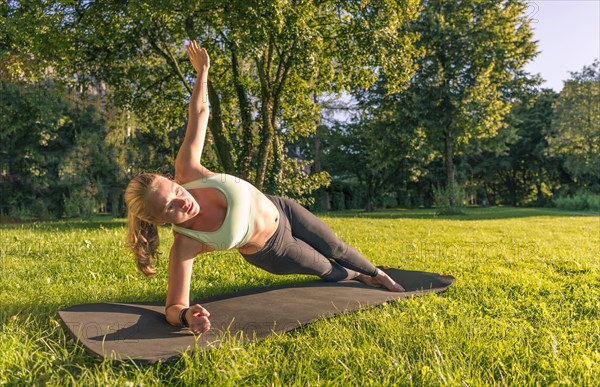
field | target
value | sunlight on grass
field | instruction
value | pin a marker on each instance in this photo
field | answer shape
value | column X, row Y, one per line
column 524, row 310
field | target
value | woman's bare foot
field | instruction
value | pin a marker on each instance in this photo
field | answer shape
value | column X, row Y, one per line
column 388, row 282
column 367, row 279
column 381, row 279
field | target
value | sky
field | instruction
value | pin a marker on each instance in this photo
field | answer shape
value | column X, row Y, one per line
column 568, row 35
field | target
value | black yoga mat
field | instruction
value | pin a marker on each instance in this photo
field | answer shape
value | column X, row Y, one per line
column 139, row 331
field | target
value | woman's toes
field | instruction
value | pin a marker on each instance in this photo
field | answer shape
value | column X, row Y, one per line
column 388, row 282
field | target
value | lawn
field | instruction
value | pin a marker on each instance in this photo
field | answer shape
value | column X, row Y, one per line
column 525, row 308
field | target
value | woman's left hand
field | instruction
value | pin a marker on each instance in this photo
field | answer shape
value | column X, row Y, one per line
column 197, row 318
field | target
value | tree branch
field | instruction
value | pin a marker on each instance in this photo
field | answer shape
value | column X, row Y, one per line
column 170, row 58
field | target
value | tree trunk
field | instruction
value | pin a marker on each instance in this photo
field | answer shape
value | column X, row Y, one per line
column 369, row 206
column 513, row 187
column 265, row 147
column 245, row 160
column 538, row 186
column 272, row 80
column 323, row 194
column 274, row 167
column 218, row 131
column 510, row 184
column 449, row 167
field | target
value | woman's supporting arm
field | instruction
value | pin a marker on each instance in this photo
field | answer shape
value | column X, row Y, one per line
column 187, row 163
column 181, row 260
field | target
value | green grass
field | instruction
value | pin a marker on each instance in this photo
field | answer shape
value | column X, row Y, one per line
column 525, row 308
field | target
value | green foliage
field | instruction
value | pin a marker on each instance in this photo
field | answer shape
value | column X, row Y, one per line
column 443, row 197
column 295, row 182
column 443, row 99
column 407, row 141
column 582, row 200
column 285, row 58
column 575, row 136
column 23, row 47
column 54, row 155
column 340, row 195
column 268, row 61
column 78, row 206
column 475, row 52
column 524, row 174
column 34, row 133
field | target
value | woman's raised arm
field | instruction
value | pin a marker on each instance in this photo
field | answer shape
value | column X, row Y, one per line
column 187, row 163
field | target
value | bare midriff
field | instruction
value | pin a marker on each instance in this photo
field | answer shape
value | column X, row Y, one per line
column 267, row 220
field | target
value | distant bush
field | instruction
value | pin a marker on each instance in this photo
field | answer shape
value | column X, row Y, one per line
column 78, row 206
column 580, row 201
column 340, row 195
column 38, row 209
column 441, row 199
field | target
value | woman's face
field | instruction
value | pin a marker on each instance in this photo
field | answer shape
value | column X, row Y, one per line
column 171, row 203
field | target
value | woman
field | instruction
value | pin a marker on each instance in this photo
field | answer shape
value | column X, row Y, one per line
column 216, row 212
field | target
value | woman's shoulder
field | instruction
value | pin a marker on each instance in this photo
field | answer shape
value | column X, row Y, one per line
column 192, row 174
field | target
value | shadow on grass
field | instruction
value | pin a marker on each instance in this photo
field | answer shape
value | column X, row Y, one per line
column 470, row 213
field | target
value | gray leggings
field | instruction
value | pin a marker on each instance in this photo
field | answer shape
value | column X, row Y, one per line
column 302, row 244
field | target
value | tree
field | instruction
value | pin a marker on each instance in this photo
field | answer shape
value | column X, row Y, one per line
column 54, row 158
column 575, row 135
column 472, row 70
column 20, row 41
column 348, row 153
column 380, row 149
column 396, row 147
column 524, row 174
column 268, row 59
column 33, row 145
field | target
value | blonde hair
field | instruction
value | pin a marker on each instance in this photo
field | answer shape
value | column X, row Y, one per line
column 143, row 231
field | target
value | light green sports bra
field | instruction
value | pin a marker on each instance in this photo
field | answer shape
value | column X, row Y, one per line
column 240, row 219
